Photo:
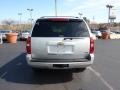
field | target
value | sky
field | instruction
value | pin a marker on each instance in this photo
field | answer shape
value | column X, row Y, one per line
column 92, row 9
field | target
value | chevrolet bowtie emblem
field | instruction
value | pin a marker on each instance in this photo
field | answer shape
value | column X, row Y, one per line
column 60, row 43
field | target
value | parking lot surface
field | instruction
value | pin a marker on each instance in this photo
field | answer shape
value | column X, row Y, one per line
column 104, row 74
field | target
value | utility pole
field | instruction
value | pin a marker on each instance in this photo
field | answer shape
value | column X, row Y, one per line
column 93, row 18
column 20, row 14
column 109, row 9
column 55, row 7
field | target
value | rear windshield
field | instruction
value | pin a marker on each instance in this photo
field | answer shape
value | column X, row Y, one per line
column 60, row 29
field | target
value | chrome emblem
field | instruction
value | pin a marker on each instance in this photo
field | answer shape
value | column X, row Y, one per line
column 60, row 43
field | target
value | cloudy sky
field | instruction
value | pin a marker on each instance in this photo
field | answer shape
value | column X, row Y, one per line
column 92, row 9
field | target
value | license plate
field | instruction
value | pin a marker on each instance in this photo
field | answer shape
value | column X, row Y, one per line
column 60, row 65
column 60, row 49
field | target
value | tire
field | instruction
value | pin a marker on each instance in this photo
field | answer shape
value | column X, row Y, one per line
column 20, row 39
column 99, row 37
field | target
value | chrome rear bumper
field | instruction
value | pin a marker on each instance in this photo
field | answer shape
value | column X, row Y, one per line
column 58, row 65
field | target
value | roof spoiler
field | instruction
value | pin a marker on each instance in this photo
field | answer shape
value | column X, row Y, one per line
column 59, row 17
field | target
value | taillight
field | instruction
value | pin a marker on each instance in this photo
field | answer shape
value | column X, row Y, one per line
column 28, row 45
column 91, row 45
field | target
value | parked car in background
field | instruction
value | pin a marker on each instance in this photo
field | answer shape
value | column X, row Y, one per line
column 4, row 32
column 115, row 35
column 98, row 34
column 116, row 32
column 24, row 35
column 60, row 43
column 112, row 32
column 94, row 36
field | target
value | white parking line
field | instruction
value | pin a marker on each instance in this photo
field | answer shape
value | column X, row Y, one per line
column 3, row 74
column 1, row 40
column 101, row 78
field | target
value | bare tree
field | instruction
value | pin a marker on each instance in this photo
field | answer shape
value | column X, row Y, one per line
column 7, row 23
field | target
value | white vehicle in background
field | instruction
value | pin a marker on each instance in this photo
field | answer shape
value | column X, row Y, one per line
column 114, row 35
column 97, row 33
column 60, row 43
column 4, row 32
column 24, row 35
column 94, row 36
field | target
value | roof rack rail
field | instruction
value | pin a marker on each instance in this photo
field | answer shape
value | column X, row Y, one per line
column 59, row 17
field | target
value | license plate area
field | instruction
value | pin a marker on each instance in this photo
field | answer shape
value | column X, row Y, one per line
column 60, row 49
column 60, row 65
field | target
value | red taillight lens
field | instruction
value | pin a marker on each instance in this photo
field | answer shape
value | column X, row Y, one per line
column 91, row 45
column 28, row 45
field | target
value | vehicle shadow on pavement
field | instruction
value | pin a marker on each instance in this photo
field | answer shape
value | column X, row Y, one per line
column 18, row 71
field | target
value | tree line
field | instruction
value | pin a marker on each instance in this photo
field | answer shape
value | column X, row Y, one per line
column 14, row 25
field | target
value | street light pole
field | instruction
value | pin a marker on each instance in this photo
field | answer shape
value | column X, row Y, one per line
column 30, row 11
column 80, row 15
column 55, row 7
column 20, row 14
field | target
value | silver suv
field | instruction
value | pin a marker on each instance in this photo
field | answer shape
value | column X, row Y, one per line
column 60, row 43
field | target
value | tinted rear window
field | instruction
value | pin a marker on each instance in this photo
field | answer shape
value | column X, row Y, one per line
column 60, row 29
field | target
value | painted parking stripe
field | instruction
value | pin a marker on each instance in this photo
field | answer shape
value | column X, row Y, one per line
column 101, row 78
column 3, row 74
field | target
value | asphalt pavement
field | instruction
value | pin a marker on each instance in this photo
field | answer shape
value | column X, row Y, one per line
column 104, row 74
